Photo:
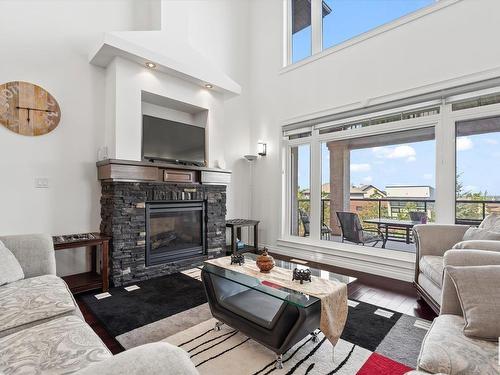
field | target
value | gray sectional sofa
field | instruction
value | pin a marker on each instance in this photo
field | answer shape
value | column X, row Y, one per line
column 42, row 330
column 446, row 349
column 434, row 240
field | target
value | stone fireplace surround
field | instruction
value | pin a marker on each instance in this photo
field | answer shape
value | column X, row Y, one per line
column 123, row 216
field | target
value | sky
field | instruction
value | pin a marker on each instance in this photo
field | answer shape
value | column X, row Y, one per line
column 477, row 156
column 350, row 18
column 407, row 164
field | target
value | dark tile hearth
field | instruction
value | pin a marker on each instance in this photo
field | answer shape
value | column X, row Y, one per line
column 123, row 218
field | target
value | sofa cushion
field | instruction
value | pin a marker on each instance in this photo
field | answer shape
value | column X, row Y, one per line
column 482, row 234
column 31, row 301
column 491, row 222
column 60, row 346
column 447, row 350
column 430, row 287
column 479, row 295
column 159, row 358
column 432, row 267
column 256, row 307
column 10, row 269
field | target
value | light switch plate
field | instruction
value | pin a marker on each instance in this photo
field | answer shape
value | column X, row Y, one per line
column 41, row 182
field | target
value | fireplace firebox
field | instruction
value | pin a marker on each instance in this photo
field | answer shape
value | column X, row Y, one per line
column 174, row 231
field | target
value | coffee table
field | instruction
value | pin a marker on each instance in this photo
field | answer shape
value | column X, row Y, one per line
column 274, row 316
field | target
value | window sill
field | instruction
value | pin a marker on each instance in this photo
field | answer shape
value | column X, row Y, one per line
column 440, row 4
column 384, row 262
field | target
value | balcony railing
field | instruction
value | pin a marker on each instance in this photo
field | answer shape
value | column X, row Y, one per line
column 470, row 212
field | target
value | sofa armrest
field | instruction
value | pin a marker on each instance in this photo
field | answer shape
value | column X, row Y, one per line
column 35, row 253
column 479, row 245
column 450, row 303
column 436, row 239
column 159, row 358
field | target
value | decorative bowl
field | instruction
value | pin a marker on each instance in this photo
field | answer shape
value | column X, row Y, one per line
column 265, row 262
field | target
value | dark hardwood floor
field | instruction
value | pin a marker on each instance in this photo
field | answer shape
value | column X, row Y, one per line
column 386, row 293
column 108, row 340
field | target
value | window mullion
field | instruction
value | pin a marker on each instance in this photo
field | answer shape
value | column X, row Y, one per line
column 445, row 167
column 287, row 55
column 315, row 188
column 317, row 26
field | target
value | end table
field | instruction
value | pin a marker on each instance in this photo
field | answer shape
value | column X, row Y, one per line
column 235, row 225
column 86, row 281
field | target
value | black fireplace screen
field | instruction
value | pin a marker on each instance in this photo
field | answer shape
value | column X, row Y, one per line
column 174, row 231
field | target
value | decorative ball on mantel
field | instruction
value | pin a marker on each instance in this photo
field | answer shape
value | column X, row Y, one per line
column 28, row 109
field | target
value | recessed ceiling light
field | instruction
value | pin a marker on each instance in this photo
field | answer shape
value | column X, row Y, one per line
column 150, row 65
column 209, row 86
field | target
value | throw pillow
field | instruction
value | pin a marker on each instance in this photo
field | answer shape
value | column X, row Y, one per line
column 491, row 222
column 10, row 269
column 481, row 234
column 479, row 295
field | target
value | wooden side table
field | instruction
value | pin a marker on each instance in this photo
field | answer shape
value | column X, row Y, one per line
column 86, row 281
column 235, row 225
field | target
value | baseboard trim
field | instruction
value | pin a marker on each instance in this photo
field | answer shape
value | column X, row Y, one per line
column 394, row 269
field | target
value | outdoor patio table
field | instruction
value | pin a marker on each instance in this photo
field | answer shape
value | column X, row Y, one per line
column 407, row 225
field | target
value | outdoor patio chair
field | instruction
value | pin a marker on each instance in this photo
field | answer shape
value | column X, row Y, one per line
column 419, row 216
column 325, row 229
column 353, row 231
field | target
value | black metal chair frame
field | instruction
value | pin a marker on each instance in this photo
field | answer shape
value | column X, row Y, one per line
column 305, row 220
column 356, row 235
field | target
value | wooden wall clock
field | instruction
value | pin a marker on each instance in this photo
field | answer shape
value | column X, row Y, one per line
column 28, row 109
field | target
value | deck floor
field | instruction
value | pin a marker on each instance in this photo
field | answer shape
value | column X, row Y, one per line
column 391, row 245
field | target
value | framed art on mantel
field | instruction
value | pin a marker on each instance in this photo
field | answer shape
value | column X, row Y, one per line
column 28, row 109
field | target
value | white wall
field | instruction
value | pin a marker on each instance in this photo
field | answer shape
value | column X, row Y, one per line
column 454, row 42
column 47, row 43
column 220, row 30
column 167, row 113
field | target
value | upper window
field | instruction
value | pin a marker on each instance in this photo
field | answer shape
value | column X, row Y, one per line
column 340, row 20
column 301, row 29
column 350, row 18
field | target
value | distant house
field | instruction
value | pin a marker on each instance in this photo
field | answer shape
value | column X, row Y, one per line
column 356, row 192
column 416, row 195
column 366, row 191
column 410, row 191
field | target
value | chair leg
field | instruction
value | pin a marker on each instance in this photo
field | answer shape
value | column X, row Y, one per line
column 315, row 337
column 279, row 362
column 384, row 242
column 217, row 326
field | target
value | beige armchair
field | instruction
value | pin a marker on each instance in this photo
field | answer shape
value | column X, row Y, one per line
column 445, row 349
column 432, row 241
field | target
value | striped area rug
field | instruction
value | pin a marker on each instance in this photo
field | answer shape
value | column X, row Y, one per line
column 375, row 341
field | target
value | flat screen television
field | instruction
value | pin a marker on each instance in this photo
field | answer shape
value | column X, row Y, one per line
column 172, row 141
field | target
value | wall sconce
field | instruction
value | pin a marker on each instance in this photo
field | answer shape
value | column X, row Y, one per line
column 262, row 148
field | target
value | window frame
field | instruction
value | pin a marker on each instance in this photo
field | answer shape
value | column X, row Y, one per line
column 444, row 124
column 317, row 50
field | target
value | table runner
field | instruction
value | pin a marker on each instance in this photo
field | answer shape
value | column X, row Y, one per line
column 333, row 294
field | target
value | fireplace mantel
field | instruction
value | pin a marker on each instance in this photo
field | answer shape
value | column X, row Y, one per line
column 141, row 171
